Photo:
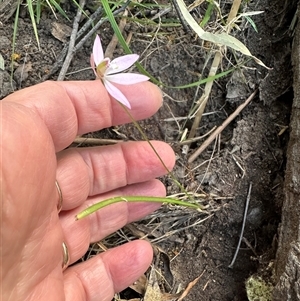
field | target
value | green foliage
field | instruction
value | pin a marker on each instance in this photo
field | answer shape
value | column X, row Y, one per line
column 251, row 22
column 208, row 13
column 48, row 4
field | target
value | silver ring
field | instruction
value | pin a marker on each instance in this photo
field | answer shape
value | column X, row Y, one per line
column 60, row 200
column 66, row 256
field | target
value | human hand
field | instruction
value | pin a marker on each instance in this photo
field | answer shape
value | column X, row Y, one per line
column 37, row 124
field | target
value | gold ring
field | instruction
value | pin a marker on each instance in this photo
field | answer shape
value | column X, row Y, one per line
column 66, row 256
column 60, row 201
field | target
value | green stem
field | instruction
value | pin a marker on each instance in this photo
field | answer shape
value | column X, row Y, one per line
column 119, row 199
column 156, row 153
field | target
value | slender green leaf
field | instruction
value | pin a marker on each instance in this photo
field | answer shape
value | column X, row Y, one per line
column 31, row 13
column 38, row 11
column 208, row 14
column 249, row 19
column 82, row 10
column 16, row 26
column 205, row 80
column 59, row 9
column 51, row 8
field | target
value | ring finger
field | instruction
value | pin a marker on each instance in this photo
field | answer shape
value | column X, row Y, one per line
column 79, row 234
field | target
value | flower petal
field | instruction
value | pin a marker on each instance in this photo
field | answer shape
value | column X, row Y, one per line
column 116, row 93
column 122, row 63
column 126, row 78
column 98, row 51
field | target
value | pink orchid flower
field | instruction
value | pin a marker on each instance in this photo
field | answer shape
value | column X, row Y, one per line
column 106, row 70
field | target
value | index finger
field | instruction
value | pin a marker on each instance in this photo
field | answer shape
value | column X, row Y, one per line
column 73, row 108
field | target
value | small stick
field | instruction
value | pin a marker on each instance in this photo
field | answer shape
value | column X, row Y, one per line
column 93, row 17
column 204, row 98
column 90, row 22
column 71, row 52
column 182, row 20
column 243, row 227
column 189, row 141
column 96, row 27
column 234, row 10
column 96, row 141
column 63, row 53
column 208, row 141
column 245, row 240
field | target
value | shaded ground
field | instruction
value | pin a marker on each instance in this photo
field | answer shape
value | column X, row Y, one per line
column 250, row 150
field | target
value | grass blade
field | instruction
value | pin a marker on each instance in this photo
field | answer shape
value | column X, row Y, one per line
column 252, row 23
column 208, row 13
column 38, row 11
column 205, row 80
column 31, row 13
column 59, row 9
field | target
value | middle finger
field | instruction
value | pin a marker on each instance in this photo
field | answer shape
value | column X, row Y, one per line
column 83, row 172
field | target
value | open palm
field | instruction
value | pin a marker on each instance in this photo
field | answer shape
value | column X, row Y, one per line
column 37, row 124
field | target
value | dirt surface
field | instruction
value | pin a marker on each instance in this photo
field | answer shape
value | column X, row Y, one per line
column 250, row 150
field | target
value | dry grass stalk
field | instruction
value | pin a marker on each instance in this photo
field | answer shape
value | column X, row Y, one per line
column 96, row 141
column 213, row 70
column 220, row 128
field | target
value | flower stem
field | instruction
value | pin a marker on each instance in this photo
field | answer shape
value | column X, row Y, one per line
column 156, row 153
column 119, row 199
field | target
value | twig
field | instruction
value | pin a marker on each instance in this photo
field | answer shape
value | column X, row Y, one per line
column 243, row 227
column 189, row 141
column 171, row 233
column 162, row 13
column 96, row 141
column 208, row 141
column 204, row 98
column 190, row 286
column 71, row 52
column 100, row 22
column 245, row 240
column 93, row 18
column 95, row 28
column 234, row 10
column 89, row 22
column 239, row 165
column 60, row 59
column 182, row 20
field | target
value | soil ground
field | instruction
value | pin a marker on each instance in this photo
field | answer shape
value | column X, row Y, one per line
column 250, row 150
